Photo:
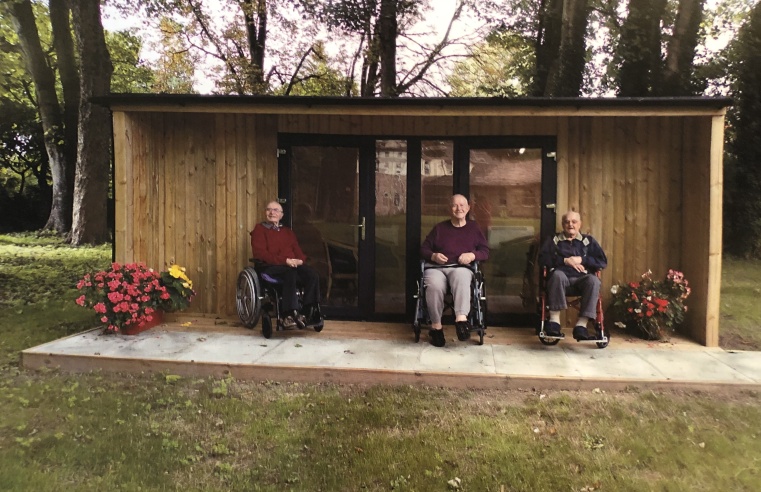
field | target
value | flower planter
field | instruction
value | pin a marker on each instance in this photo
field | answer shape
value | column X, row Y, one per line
column 158, row 318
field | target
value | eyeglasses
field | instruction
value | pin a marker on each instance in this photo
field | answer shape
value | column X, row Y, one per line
column 276, row 210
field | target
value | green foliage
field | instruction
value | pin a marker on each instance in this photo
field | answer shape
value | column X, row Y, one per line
column 176, row 64
column 740, row 309
column 131, row 74
column 742, row 201
column 502, row 66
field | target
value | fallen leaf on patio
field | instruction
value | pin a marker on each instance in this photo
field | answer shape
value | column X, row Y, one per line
column 187, row 323
column 298, row 345
column 347, row 351
column 201, row 339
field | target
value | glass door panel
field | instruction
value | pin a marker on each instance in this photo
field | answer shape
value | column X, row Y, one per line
column 325, row 198
column 390, row 225
column 506, row 193
column 437, row 182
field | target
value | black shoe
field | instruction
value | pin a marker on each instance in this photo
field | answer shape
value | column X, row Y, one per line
column 299, row 319
column 552, row 329
column 437, row 338
column 580, row 333
column 463, row 330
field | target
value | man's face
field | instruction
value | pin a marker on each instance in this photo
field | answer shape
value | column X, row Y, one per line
column 571, row 225
column 273, row 212
column 460, row 207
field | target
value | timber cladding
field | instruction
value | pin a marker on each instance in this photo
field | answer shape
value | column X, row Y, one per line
column 190, row 186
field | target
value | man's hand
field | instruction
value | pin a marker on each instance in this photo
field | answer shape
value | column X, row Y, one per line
column 466, row 258
column 439, row 258
column 293, row 262
column 575, row 262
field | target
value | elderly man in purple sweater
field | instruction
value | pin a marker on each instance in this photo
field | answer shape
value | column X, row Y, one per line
column 450, row 245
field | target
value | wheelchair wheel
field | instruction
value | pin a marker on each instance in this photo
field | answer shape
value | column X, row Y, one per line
column 416, row 329
column 546, row 341
column 247, row 300
column 552, row 342
column 266, row 326
column 598, row 331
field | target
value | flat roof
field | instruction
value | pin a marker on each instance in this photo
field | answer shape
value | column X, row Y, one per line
column 410, row 106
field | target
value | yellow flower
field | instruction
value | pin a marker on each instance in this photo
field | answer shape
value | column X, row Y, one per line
column 178, row 272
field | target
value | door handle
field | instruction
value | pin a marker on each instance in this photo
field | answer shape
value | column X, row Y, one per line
column 362, row 226
column 550, row 206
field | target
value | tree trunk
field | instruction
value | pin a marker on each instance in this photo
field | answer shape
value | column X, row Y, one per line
column 547, row 45
column 681, row 49
column 68, row 71
column 255, row 14
column 388, row 31
column 50, row 113
column 370, row 66
column 639, row 49
column 90, row 224
column 566, row 74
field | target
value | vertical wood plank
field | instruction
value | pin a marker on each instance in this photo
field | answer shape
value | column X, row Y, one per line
column 141, row 191
column 607, row 171
column 619, row 169
column 640, row 233
column 563, row 156
column 716, row 191
column 234, row 147
column 655, row 260
column 123, row 162
column 221, row 237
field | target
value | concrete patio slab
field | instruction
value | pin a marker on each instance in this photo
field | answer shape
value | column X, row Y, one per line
column 386, row 353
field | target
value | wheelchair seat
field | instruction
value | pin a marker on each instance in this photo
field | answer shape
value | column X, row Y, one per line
column 602, row 336
column 477, row 314
column 258, row 295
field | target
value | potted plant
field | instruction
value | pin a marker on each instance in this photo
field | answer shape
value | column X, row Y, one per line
column 132, row 297
column 651, row 308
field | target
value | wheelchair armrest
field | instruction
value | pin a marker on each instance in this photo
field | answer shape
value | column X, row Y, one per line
column 474, row 265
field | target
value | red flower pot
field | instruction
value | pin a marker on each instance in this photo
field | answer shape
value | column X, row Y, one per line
column 158, row 318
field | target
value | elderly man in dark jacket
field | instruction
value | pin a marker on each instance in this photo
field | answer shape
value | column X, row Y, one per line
column 571, row 259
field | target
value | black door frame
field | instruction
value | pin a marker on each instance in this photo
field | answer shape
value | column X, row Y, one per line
column 462, row 146
column 548, row 146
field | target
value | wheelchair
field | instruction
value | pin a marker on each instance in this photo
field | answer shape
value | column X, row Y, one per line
column 259, row 296
column 477, row 314
column 602, row 336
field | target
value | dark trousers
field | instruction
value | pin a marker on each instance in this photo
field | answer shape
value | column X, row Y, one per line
column 290, row 279
column 559, row 286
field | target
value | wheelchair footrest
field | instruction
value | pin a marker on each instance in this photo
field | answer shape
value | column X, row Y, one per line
column 552, row 337
column 594, row 340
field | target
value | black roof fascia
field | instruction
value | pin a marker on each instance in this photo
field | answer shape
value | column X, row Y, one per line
column 203, row 99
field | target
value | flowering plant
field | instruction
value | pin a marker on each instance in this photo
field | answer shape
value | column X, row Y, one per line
column 130, row 294
column 652, row 306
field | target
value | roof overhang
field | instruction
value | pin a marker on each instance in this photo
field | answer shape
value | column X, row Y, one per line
column 404, row 106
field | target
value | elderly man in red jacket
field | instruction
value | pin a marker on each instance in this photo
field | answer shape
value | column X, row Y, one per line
column 275, row 247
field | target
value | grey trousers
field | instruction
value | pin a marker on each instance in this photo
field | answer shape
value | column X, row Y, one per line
column 435, row 281
column 587, row 286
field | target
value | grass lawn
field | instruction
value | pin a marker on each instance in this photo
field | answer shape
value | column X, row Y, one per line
column 99, row 432
column 740, row 322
